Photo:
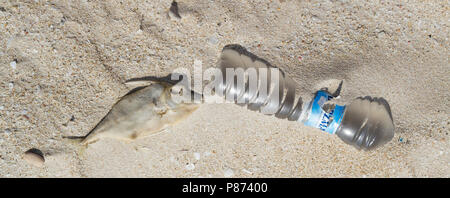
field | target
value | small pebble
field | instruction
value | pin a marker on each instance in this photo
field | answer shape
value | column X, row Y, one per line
column 190, row 166
column 213, row 40
column 246, row 171
column 34, row 157
column 197, row 156
column 173, row 11
column 315, row 18
column 2, row 107
column 11, row 86
column 13, row 65
column 228, row 173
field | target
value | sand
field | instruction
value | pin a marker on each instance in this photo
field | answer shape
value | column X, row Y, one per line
column 64, row 63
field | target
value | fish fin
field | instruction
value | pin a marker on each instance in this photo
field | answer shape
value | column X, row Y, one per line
column 74, row 139
column 148, row 79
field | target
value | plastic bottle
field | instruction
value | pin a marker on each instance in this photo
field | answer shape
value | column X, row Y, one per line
column 366, row 123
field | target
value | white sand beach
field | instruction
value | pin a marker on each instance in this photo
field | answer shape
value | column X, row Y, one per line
column 63, row 65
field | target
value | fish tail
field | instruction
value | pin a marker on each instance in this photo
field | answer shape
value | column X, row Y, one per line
column 75, row 140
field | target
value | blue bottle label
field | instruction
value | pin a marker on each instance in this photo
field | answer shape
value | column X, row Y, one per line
column 325, row 121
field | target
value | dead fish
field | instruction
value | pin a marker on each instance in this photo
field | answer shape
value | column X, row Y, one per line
column 143, row 111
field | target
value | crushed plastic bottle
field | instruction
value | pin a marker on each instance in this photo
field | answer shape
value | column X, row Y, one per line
column 366, row 123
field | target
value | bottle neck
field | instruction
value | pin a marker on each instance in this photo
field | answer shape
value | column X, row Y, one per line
column 314, row 115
